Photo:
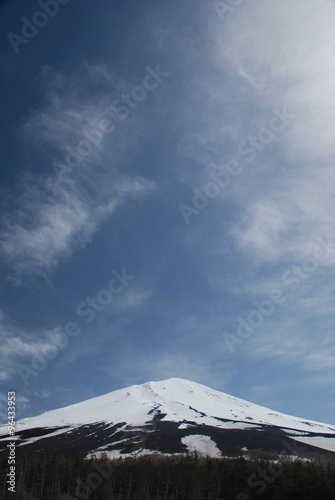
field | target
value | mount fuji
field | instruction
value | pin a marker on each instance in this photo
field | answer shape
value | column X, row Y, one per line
column 172, row 416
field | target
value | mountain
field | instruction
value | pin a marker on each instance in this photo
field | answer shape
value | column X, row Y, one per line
column 171, row 416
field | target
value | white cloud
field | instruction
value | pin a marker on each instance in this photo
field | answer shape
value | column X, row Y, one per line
column 55, row 214
column 56, row 222
column 307, row 345
column 267, row 55
column 45, row 394
column 261, row 228
column 20, row 347
column 133, row 299
column 285, row 53
column 324, row 358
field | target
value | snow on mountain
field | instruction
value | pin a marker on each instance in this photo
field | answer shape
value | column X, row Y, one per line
column 179, row 399
column 176, row 406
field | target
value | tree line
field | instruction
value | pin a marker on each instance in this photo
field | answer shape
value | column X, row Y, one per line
column 183, row 477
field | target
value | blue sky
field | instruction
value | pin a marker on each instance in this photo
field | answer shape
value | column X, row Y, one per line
column 167, row 204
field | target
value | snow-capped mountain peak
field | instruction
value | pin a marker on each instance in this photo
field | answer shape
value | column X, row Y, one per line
column 176, row 406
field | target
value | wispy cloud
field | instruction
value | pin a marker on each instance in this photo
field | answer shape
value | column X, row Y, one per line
column 137, row 299
column 274, row 62
column 54, row 215
column 288, row 62
column 308, row 349
column 55, row 221
column 19, row 347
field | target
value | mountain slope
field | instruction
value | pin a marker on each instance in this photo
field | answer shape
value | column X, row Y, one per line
column 171, row 416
